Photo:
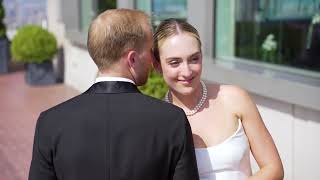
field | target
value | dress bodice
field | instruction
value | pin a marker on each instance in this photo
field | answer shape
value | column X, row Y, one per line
column 229, row 160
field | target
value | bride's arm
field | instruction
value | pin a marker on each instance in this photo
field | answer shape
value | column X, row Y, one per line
column 261, row 143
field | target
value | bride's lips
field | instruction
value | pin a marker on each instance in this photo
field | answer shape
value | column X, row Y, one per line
column 186, row 81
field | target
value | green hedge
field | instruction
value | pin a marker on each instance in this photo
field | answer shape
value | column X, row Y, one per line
column 155, row 87
column 33, row 44
column 2, row 26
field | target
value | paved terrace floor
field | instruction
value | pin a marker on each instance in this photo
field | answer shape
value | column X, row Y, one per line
column 20, row 105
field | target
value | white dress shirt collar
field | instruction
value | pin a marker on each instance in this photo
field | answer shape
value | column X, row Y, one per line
column 106, row 78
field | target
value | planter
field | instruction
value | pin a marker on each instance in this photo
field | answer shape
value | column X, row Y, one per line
column 40, row 74
column 4, row 55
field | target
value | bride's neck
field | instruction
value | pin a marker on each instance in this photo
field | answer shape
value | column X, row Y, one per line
column 187, row 102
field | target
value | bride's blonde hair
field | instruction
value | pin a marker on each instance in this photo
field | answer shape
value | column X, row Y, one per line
column 170, row 27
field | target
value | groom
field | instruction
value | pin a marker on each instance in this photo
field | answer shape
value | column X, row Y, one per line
column 112, row 131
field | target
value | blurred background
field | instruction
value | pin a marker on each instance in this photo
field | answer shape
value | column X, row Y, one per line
column 271, row 48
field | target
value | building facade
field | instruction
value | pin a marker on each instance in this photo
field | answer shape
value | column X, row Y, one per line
column 270, row 48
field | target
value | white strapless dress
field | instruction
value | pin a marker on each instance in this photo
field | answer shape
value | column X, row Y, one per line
column 229, row 160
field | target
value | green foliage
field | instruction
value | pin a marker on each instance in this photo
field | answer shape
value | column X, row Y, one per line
column 2, row 30
column 106, row 4
column 2, row 26
column 155, row 87
column 33, row 44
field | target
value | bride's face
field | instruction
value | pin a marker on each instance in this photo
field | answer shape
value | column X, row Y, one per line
column 181, row 63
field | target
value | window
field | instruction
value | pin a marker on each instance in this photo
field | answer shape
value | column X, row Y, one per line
column 106, row 4
column 78, row 14
column 90, row 9
column 163, row 9
column 285, row 32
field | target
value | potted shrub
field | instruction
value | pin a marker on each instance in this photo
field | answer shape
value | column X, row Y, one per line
column 35, row 47
column 4, row 43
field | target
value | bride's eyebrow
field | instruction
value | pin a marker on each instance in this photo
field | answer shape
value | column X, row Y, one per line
column 172, row 58
column 178, row 58
column 195, row 54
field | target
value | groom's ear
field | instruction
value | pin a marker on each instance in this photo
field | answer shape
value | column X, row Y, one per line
column 131, row 58
column 157, row 66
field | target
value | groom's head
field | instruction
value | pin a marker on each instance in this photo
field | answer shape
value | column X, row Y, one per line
column 120, row 42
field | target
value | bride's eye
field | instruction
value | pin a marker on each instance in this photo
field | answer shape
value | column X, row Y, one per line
column 194, row 59
column 174, row 63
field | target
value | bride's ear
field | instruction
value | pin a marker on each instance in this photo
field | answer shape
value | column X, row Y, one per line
column 157, row 66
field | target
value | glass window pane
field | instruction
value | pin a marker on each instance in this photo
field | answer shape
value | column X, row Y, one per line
column 86, row 14
column 225, row 28
column 144, row 5
column 285, row 32
column 106, row 4
column 89, row 11
column 163, row 9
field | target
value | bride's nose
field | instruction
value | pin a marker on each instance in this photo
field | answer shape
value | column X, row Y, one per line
column 185, row 70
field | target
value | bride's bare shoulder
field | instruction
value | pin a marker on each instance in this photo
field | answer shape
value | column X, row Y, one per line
column 225, row 90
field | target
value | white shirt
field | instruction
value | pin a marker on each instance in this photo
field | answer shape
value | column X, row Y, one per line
column 106, row 78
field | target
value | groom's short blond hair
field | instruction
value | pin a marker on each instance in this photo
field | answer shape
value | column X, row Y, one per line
column 114, row 32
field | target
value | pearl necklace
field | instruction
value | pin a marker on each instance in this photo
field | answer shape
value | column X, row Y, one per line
column 200, row 103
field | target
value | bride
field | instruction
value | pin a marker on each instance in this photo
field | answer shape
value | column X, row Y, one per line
column 225, row 122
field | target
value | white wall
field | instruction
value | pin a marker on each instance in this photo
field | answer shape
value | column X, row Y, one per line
column 80, row 70
column 203, row 22
column 306, row 144
column 295, row 130
column 278, row 118
column 55, row 24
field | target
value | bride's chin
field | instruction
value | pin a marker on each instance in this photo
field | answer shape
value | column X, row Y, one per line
column 185, row 91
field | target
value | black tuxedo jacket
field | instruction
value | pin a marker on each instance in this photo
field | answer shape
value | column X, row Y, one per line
column 113, row 132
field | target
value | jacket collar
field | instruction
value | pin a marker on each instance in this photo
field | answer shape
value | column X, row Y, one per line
column 112, row 87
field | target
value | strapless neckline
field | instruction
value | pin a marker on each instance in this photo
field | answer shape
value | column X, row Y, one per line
column 224, row 141
column 228, row 160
